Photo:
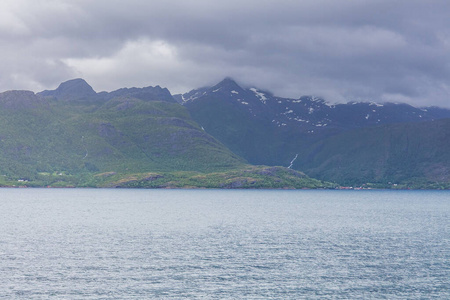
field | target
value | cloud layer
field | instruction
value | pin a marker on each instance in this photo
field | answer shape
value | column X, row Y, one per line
column 341, row 50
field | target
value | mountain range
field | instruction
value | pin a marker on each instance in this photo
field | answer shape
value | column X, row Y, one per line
column 350, row 144
column 220, row 136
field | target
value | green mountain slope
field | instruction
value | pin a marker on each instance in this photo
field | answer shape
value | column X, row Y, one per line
column 122, row 134
column 242, row 133
column 409, row 155
column 142, row 137
column 350, row 144
column 118, row 141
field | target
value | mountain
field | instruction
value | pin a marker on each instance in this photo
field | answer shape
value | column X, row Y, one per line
column 147, row 94
column 402, row 154
column 308, row 112
column 224, row 136
column 73, row 136
column 305, row 133
column 123, row 131
column 75, row 89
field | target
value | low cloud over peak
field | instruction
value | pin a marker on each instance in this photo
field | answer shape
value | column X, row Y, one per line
column 339, row 50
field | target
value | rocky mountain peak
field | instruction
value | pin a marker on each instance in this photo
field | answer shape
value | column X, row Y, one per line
column 149, row 93
column 75, row 89
column 19, row 99
column 228, row 83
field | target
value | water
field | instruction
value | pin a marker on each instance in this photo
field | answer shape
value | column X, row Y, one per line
column 134, row 244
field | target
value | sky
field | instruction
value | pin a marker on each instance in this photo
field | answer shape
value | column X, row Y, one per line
column 340, row 50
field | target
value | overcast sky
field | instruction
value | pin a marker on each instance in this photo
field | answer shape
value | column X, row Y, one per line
column 345, row 50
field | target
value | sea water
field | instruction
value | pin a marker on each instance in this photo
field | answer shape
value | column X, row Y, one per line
column 216, row 244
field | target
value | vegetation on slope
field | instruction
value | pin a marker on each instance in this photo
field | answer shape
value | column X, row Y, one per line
column 134, row 137
column 121, row 142
column 245, row 177
column 409, row 155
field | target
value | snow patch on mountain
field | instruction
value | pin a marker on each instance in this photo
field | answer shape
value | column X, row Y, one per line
column 260, row 95
column 192, row 95
column 301, row 120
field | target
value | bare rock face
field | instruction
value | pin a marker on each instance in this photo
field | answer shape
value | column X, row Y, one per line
column 147, row 94
column 75, row 89
column 79, row 90
column 20, row 100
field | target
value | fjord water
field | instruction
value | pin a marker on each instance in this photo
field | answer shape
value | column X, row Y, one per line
column 104, row 244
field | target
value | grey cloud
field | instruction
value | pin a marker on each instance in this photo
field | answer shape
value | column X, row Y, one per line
column 342, row 50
